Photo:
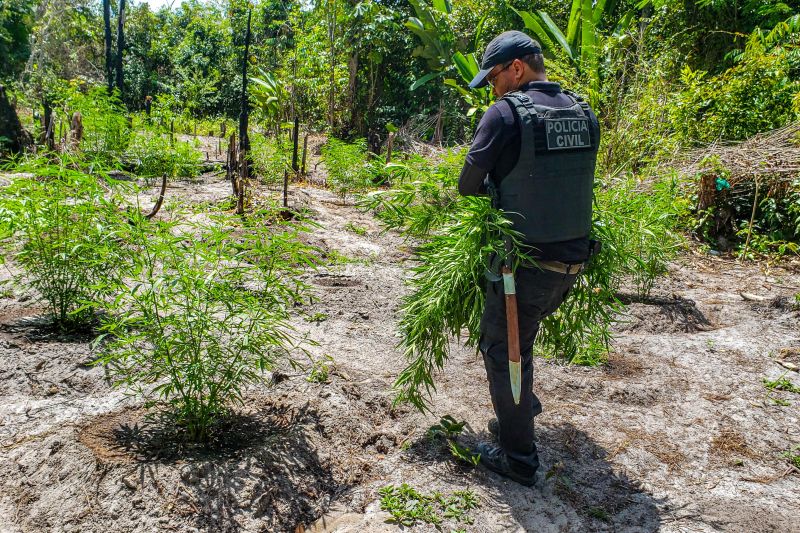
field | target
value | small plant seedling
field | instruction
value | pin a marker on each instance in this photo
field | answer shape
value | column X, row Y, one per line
column 782, row 383
column 316, row 317
column 409, row 507
column 793, row 456
column 355, row 228
column 448, row 429
column 462, row 453
column 779, row 401
column 320, row 370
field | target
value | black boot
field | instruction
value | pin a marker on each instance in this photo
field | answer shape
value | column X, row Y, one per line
column 494, row 428
column 495, row 459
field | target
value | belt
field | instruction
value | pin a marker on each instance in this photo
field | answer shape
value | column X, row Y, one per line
column 558, row 266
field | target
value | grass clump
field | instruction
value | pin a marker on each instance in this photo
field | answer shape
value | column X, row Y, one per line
column 204, row 313
column 793, row 456
column 782, row 383
column 63, row 229
column 410, row 507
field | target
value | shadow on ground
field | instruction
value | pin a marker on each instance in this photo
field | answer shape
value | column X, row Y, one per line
column 577, row 489
column 261, row 466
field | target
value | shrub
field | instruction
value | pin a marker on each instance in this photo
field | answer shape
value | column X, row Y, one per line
column 204, row 314
column 349, row 170
column 106, row 128
column 154, row 155
column 271, row 158
column 64, row 233
column 755, row 95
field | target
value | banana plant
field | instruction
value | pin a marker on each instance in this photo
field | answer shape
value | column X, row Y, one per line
column 436, row 36
column 582, row 39
column 478, row 100
column 269, row 96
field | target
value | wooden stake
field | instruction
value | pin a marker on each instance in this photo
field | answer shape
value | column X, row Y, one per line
column 305, row 150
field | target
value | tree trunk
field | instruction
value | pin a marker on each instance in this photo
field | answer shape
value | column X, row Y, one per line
column 120, row 45
column 244, row 114
column 109, row 57
column 10, row 126
column 47, row 125
column 331, row 20
column 295, row 141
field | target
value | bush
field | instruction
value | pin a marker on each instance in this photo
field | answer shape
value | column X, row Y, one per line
column 204, row 314
column 64, row 233
column 636, row 231
column 349, row 170
column 106, row 128
column 271, row 158
column 154, row 155
column 755, row 95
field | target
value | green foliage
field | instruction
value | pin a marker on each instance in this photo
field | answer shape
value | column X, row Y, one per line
column 782, row 383
column 755, row 95
column 447, row 292
column 321, row 369
column 459, row 233
column 64, row 233
column 154, row 155
column 16, row 21
column 793, row 457
column 636, row 231
column 271, row 158
column 106, row 128
column 203, row 314
column 349, row 170
column 410, row 507
column 447, row 430
column 355, row 228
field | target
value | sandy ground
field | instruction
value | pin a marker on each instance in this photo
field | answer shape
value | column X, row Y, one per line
column 676, row 433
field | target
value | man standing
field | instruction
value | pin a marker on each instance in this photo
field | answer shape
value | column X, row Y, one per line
column 534, row 151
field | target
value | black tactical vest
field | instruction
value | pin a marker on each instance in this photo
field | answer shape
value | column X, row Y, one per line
column 548, row 194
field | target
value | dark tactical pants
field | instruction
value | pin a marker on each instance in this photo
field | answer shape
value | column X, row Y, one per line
column 539, row 293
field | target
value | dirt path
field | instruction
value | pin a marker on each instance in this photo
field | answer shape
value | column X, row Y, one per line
column 677, row 433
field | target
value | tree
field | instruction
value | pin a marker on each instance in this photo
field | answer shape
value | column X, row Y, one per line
column 16, row 21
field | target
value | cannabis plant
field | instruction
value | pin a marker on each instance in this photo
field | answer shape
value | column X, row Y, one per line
column 62, row 228
column 204, row 314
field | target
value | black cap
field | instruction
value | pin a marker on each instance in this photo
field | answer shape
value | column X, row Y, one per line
column 505, row 47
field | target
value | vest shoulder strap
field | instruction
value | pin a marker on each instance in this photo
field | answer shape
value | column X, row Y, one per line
column 527, row 113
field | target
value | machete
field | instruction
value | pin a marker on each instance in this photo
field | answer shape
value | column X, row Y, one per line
column 514, row 364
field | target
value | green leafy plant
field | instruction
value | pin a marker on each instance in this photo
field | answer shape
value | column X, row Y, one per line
column 355, row 228
column 793, row 457
column 782, row 383
column 349, row 170
column 204, row 313
column 63, row 230
column 154, row 155
column 459, row 234
column 409, row 507
column 321, row 369
column 447, row 430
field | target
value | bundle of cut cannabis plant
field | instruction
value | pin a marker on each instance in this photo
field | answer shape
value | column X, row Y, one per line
column 459, row 234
